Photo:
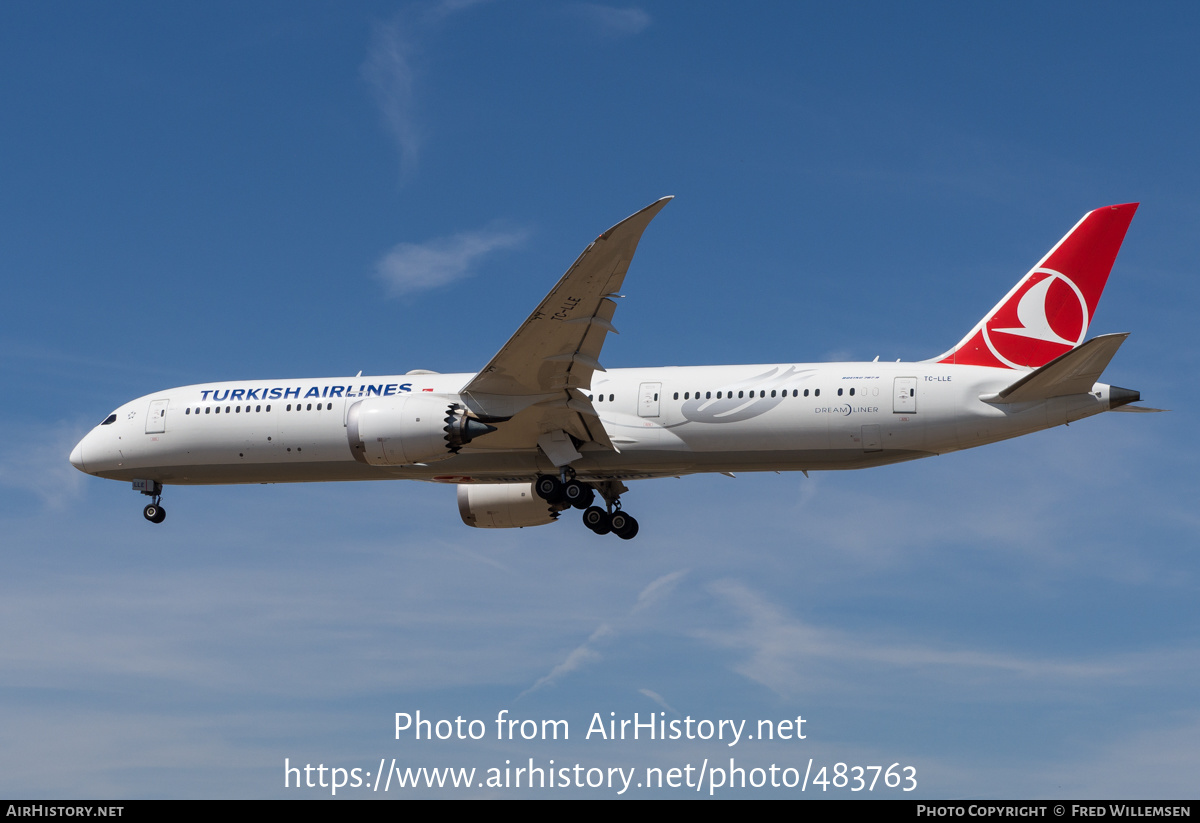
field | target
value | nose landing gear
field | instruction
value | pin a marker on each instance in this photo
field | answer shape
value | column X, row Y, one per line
column 154, row 512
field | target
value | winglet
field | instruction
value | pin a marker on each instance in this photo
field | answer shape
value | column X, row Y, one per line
column 1047, row 313
column 535, row 382
column 558, row 346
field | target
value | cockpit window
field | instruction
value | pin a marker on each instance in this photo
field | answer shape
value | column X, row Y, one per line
column 112, row 418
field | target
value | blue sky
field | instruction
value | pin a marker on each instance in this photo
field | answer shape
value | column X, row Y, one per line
column 226, row 191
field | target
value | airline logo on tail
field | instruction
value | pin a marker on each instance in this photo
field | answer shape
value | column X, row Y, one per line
column 1048, row 312
column 1047, row 316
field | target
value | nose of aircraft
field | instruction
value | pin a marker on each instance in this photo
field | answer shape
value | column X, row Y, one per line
column 77, row 456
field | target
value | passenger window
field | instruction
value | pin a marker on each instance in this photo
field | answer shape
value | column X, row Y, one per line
column 851, row 392
column 268, row 408
column 708, row 395
column 258, row 408
column 816, row 392
column 839, row 392
column 676, row 395
column 289, row 407
column 309, row 407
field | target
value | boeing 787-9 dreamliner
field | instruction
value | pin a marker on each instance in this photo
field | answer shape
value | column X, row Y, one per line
column 543, row 427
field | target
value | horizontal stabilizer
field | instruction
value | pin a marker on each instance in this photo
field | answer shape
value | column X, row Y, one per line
column 1141, row 409
column 1072, row 373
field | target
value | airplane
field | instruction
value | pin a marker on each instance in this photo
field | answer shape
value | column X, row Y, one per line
column 543, row 427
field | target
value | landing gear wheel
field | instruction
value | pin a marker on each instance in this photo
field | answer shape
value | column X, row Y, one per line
column 624, row 526
column 154, row 513
column 597, row 520
column 549, row 488
column 579, row 495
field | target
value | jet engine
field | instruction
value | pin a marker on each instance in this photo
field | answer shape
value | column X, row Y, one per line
column 405, row 429
column 504, row 506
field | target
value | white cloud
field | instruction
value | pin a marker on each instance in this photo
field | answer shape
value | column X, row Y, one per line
column 657, row 590
column 579, row 657
column 658, row 698
column 412, row 267
column 613, row 22
column 38, row 463
column 389, row 69
column 789, row 656
column 445, row 8
column 393, row 63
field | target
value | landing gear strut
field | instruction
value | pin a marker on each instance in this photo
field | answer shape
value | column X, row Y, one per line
column 568, row 491
column 154, row 512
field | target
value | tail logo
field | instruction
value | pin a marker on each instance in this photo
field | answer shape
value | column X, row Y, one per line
column 1047, row 316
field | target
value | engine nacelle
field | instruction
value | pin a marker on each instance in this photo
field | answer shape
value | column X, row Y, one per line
column 405, row 429
column 504, row 506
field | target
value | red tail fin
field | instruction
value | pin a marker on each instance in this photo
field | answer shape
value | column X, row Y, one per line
column 1048, row 312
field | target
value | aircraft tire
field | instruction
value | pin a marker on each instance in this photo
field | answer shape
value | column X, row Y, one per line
column 628, row 530
column 549, row 488
column 624, row 526
column 154, row 513
column 597, row 519
column 579, row 495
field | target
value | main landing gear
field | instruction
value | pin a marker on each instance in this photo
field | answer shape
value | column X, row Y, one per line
column 568, row 491
column 154, row 512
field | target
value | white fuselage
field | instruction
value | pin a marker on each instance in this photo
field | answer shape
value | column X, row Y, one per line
column 662, row 421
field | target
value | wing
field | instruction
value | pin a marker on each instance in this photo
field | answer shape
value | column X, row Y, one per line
column 536, row 377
